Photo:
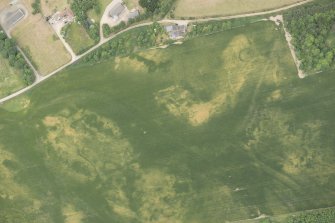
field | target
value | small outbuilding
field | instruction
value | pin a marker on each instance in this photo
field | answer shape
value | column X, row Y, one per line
column 117, row 10
column 176, row 31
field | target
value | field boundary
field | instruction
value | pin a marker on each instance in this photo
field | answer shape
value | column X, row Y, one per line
column 252, row 220
column 251, row 12
column 280, row 20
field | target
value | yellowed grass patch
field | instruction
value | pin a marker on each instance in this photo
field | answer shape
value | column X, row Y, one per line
column 159, row 202
column 158, row 56
column 182, row 103
column 73, row 139
column 17, row 104
column 200, row 8
column 72, row 215
column 275, row 96
column 129, row 63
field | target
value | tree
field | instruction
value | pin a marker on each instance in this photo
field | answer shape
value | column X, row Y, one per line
column 150, row 5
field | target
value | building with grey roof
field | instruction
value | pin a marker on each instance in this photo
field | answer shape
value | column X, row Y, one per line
column 117, row 10
column 176, row 31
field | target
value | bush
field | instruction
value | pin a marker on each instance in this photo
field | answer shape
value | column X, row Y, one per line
column 106, row 30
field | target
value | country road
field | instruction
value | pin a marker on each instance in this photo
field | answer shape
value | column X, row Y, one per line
column 40, row 79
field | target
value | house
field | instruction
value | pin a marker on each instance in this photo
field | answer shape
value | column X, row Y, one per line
column 117, row 10
column 176, row 31
column 133, row 14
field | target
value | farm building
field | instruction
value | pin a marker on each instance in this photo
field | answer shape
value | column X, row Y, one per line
column 117, row 10
column 176, row 31
column 133, row 14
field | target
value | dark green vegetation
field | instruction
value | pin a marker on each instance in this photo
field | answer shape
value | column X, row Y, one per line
column 157, row 7
column 129, row 42
column 9, row 51
column 315, row 216
column 211, row 27
column 36, row 5
column 322, row 216
column 107, row 30
column 313, row 30
column 218, row 128
column 80, row 9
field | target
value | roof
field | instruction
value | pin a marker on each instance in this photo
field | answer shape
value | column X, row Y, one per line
column 133, row 14
column 116, row 10
column 175, row 31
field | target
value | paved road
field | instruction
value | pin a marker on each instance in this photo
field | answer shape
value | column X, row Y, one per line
column 40, row 79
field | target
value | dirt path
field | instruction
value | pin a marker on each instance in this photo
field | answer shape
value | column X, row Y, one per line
column 58, row 29
column 279, row 19
column 40, row 79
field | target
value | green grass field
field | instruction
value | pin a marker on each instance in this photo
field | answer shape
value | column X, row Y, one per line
column 10, row 78
column 203, row 8
column 78, row 38
column 217, row 129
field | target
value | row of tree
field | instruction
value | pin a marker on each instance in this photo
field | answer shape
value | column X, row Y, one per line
column 318, row 216
column 80, row 9
column 10, row 52
column 199, row 29
column 312, row 28
column 127, row 43
column 211, row 27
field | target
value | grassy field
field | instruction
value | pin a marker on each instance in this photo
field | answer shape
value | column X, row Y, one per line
column 217, row 129
column 201, row 8
column 36, row 37
column 132, row 4
column 78, row 38
column 10, row 79
column 96, row 16
column 49, row 7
